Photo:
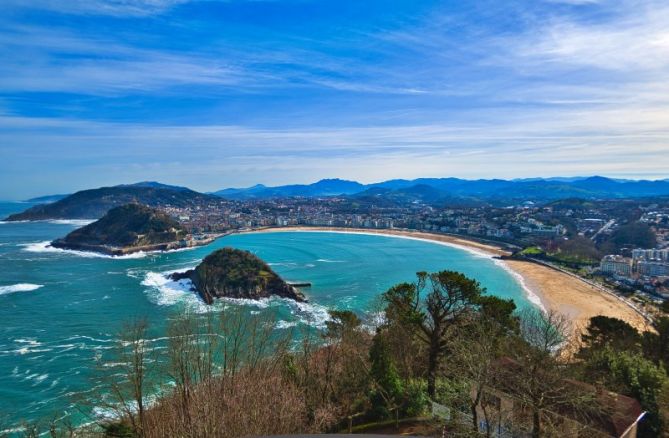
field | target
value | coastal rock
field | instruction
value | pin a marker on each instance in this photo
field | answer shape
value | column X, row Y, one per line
column 234, row 273
column 125, row 229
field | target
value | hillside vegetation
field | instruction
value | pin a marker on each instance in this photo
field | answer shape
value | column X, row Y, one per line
column 94, row 203
column 234, row 273
column 127, row 226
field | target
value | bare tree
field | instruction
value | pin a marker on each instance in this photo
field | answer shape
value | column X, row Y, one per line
column 191, row 346
column 474, row 353
column 129, row 388
column 537, row 375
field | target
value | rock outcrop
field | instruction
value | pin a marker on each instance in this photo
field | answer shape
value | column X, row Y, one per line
column 234, row 273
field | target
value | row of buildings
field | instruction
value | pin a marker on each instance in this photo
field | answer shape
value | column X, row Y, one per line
column 648, row 263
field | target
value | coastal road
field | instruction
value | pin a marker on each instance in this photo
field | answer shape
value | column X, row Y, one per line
column 605, row 227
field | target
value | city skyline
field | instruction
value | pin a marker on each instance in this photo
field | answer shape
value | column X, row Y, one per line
column 230, row 94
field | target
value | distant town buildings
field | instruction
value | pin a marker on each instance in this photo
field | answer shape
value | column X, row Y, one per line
column 652, row 269
column 660, row 255
column 645, row 262
column 616, row 265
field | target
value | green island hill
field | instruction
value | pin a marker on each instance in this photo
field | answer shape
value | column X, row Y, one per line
column 130, row 228
column 233, row 273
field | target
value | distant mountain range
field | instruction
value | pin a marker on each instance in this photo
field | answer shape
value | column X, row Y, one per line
column 483, row 190
column 94, row 203
column 324, row 187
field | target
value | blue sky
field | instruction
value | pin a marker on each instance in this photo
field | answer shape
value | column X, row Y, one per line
column 213, row 94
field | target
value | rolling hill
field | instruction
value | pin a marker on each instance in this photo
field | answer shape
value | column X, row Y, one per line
column 94, row 203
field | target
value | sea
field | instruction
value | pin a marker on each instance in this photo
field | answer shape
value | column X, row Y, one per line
column 60, row 310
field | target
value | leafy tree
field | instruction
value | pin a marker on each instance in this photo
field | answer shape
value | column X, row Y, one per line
column 388, row 386
column 579, row 248
column 634, row 234
column 341, row 323
column 498, row 314
column 433, row 306
column 665, row 306
column 604, row 331
column 633, row 375
column 656, row 345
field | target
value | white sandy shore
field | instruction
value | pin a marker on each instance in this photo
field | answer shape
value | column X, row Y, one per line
column 545, row 287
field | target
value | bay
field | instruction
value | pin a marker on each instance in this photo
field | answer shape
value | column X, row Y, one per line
column 61, row 310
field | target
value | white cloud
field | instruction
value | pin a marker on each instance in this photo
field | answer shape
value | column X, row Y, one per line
column 633, row 37
column 623, row 142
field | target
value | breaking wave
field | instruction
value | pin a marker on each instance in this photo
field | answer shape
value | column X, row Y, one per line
column 164, row 291
column 77, row 222
column 45, row 247
column 21, row 287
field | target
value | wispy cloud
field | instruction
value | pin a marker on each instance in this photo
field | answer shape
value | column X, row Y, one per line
column 478, row 89
column 212, row 156
column 97, row 7
column 636, row 42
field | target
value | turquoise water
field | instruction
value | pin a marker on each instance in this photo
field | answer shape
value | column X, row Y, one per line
column 60, row 309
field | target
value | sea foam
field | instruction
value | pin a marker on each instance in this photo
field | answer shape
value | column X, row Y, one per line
column 21, row 287
column 164, row 291
column 45, row 247
column 76, row 222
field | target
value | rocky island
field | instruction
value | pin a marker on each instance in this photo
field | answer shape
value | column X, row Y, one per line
column 130, row 228
column 233, row 273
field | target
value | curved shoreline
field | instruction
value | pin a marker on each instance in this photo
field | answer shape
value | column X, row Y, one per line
column 544, row 287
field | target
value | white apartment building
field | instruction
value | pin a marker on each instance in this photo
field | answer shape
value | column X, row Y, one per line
column 652, row 268
column 617, row 265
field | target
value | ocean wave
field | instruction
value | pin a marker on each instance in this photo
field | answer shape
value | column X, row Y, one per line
column 285, row 324
column 45, row 247
column 311, row 314
column 89, row 338
column 39, row 379
column 21, row 287
column 77, row 222
column 374, row 320
column 26, row 350
column 330, row 261
column 31, row 342
column 164, row 291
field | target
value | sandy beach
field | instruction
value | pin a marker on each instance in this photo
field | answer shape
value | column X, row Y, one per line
column 557, row 291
